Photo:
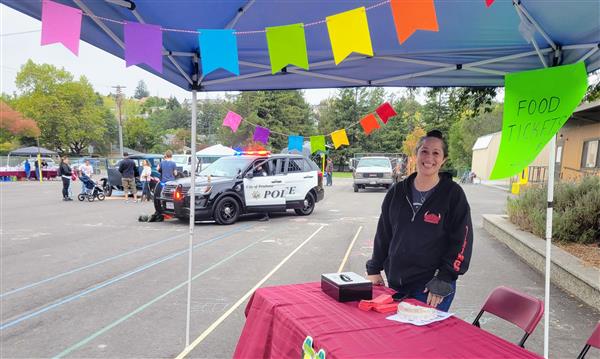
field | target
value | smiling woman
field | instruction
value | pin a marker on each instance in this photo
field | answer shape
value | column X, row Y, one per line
column 424, row 236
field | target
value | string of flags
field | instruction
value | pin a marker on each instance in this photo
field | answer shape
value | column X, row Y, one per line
column 348, row 32
column 369, row 123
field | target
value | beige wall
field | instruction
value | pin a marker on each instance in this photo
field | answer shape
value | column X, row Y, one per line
column 574, row 137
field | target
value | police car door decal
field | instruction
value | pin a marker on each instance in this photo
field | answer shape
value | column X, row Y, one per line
column 265, row 190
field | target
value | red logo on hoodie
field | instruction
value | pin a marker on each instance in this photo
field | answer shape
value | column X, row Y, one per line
column 432, row 218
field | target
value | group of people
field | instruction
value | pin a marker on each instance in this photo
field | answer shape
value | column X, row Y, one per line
column 36, row 164
column 69, row 175
column 129, row 171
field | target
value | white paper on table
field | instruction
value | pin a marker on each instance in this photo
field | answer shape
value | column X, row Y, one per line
column 438, row 317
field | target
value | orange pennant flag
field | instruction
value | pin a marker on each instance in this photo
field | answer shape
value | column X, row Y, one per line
column 413, row 15
column 369, row 123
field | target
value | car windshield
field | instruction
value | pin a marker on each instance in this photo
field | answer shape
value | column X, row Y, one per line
column 374, row 162
column 226, row 167
column 182, row 160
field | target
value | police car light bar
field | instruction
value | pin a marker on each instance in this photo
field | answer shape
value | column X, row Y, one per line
column 253, row 153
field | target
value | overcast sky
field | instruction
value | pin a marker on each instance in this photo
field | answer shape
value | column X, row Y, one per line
column 20, row 40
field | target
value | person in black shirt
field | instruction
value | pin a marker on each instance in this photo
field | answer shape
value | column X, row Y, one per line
column 64, row 171
column 424, row 236
column 127, row 168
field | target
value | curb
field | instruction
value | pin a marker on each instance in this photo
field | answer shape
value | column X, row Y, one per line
column 568, row 272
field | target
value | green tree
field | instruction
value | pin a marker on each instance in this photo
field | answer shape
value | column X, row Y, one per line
column 141, row 90
column 68, row 112
column 139, row 135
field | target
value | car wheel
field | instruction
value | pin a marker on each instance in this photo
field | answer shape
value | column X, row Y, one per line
column 107, row 190
column 227, row 211
column 101, row 197
column 355, row 188
column 81, row 197
column 309, row 205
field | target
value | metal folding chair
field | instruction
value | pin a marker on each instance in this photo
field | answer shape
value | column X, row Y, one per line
column 517, row 308
column 593, row 341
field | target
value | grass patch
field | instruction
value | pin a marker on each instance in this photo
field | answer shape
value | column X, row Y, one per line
column 342, row 174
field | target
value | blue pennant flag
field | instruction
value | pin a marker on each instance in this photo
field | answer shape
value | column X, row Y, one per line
column 295, row 143
column 218, row 49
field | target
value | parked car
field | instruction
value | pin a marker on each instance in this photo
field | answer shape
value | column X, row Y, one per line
column 372, row 172
column 113, row 179
column 232, row 186
column 184, row 162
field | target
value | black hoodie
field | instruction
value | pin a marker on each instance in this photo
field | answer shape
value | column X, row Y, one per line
column 413, row 245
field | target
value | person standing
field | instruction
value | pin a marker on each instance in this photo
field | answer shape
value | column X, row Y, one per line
column 145, row 177
column 64, row 171
column 27, row 168
column 329, row 171
column 424, row 236
column 127, row 170
column 88, row 170
column 38, row 171
column 168, row 170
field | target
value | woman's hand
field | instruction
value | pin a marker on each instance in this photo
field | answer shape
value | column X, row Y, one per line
column 433, row 299
column 376, row 279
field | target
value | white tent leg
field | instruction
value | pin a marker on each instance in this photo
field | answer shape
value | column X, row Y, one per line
column 192, row 197
column 549, row 211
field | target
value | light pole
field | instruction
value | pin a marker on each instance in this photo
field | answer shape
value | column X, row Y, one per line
column 119, row 103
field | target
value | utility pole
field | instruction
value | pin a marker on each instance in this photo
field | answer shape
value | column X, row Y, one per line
column 119, row 102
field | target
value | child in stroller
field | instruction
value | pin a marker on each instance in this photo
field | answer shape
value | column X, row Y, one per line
column 92, row 190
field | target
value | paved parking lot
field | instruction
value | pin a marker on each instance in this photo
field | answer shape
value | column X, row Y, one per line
column 87, row 280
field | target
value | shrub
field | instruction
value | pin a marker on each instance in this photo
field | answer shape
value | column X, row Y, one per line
column 576, row 211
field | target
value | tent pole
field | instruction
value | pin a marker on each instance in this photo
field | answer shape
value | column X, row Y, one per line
column 549, row 212
column 192, row 197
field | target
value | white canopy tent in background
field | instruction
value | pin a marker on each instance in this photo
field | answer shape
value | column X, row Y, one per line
column 216, row 151
column 475, row 46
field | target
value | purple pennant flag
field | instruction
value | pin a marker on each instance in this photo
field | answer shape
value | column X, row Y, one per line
column 62, row 24
column 143, row 44
column 261, row 134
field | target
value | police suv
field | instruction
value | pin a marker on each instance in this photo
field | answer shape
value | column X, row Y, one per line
column 248, row 183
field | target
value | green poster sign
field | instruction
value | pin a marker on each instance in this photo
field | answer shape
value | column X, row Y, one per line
column 536, row 105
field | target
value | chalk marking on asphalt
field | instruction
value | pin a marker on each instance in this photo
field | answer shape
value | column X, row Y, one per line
column 100, row 262
column 349, row 249
column 142, row 268
column 222, row 318
column 148, row 304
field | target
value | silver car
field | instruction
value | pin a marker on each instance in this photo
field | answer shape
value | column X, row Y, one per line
column 373, row 172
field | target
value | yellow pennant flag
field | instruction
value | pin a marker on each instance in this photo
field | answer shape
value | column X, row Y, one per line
column 339, row 138
column 349, row 32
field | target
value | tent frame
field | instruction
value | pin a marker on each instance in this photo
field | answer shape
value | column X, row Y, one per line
column 553, row 52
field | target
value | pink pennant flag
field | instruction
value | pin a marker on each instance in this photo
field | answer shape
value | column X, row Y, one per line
column 261, row 134
column 61, row 24
column 232, row 120
column 385, row 111
column 143, row 44
column 489, row 3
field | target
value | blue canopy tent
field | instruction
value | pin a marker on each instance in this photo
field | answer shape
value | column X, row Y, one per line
column 475, row 46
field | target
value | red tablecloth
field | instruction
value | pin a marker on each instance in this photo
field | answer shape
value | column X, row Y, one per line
column 278, row 319
column 21, row 174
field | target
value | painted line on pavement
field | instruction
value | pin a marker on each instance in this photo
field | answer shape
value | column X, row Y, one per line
column 349, row 249
column 94, row 264
column 222, row 318
column 113, row 280
column 148, row 304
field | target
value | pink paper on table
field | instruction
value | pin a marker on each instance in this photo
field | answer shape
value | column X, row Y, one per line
column 232, row 120
column 61, row 24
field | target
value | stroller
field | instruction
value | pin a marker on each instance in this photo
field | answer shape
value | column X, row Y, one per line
column 92, row 190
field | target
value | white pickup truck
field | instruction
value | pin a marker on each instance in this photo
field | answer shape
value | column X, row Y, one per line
column 373, row 172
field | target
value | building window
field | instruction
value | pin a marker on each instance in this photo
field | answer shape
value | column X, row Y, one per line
column 590, row 154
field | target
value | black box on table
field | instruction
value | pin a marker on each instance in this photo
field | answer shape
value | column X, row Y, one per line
column 346, row 286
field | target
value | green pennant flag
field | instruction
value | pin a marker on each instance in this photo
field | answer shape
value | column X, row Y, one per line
column 287, row 46
column 317, row 143
column 536, row 105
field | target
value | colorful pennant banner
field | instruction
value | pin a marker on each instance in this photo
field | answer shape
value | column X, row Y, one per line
column 287, row 46
column 232, row 120
column 489, row 3
column 385, row 111
column 339, row 138
column 61, row 24
column 413, row 15
column 218, row 49
column 261, row 134
column 348, row 33
column 143, row 44
column 295, row 143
